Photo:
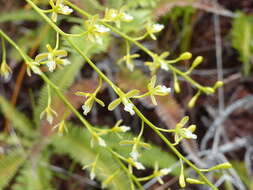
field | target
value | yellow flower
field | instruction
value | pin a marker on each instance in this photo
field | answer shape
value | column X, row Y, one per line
column 5, row 70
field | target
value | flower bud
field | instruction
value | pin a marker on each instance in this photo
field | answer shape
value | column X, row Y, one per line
column 185, row 56
column 194, row 181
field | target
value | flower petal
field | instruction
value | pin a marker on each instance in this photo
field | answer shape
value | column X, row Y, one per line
column 114, row 104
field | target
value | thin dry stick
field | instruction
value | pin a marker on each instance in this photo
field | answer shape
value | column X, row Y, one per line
column 247, row 101
column 218, row 49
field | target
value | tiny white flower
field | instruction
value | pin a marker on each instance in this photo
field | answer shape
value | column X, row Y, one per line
column 36, row 70
column 65, row 9
column 124, row 128
column 92, row 175
column 165, row 171
column 127, row 17
column 113, row 15
column 134, row 154
column 164, row 66
column 190, row 135
column 157, row 27
column 101, row 28
column 129, row 108
column 86, row 109
column 163, row 89
column 51, row 65
column 66, row 61
column 139, row 166
column 101, row 142
column 5, row 71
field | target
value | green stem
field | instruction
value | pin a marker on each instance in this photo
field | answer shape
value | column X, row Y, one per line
column 3, row 51
column 150, row 53
column 23, row 55
column 142, row 116
column 117, row 90
column 69, row 105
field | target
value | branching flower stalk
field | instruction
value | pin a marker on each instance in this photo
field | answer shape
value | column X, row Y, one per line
column 120, row 93
column 89, row 127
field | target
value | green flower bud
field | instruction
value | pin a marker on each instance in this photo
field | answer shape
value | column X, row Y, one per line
column 194, row 181
column 218, row 84
column 185, row 56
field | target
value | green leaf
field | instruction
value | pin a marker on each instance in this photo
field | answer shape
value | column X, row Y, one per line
column 77, row 145
column 19, row 15
column 34, row 175
column 18, row 119
column 9, row 165
column 148, row 157
column 242, row 39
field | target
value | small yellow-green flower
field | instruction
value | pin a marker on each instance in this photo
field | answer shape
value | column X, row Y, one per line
column 95, row 31
column 52, row 58
column 124, row 99
column 159, row 61
column 61, row 127
column 184, row 133
column 91, row 98
column 158, row 174
column 154, row 28
column 34, row 67
column 59, row 8
column 117, row 16
column 93, row 166
column 5, row 70
column 159, row 90
column 49, row 113
column 133, row 163
column 128, row 59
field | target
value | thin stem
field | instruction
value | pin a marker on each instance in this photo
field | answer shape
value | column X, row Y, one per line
column 118, row 157
column 117, row 90
column 142, row 116
column 67, row 103
column 3, row 51
column 23, row 55
column 49, row 100
column 56, row 28
column 150, row 53
column 57, row 41
column 72, row 108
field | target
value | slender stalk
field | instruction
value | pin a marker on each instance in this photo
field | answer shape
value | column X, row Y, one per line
column 89, row 127
column 117, row 90
column 134, row 41
column 23, row 55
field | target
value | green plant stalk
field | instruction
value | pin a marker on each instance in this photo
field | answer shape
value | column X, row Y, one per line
column 134, row 41
column 69, row 105
column 23, row 55
column 117, row 90
column 3, row 50
column 118, row 157
column 101, row 74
